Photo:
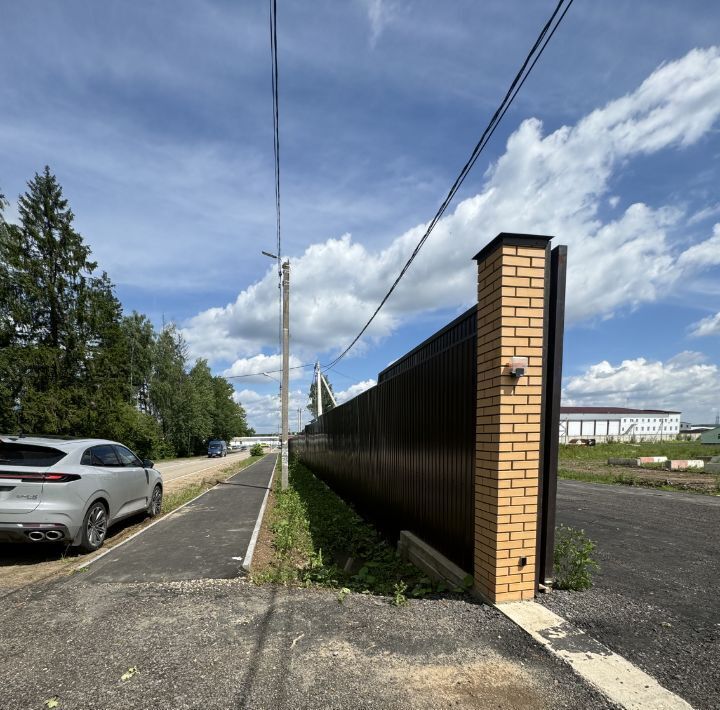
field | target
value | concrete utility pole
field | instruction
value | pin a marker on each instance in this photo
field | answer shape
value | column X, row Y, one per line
column 285, row 369
column 318, row 391
column 299, row 413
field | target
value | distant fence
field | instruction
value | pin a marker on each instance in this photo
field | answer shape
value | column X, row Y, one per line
column 403, row 452
column 451, row 444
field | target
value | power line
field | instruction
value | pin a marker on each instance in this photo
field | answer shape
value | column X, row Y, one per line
column 276, row 118
column 276, row 154
column 527, row 66
column 337, row 372
column 266, row 372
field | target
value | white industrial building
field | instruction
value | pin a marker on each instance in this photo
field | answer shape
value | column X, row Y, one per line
column 269, row 440
column 617, row 424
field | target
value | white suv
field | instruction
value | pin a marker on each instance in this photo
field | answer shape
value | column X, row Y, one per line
column 71, row 490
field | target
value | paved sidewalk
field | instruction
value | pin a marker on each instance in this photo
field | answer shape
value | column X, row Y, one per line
column 206, row 539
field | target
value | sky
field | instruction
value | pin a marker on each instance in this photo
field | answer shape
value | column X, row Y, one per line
column 157, row 120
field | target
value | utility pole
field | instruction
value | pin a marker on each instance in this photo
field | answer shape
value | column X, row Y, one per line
column 299, row 413
column 285, row 369
column 318, row 391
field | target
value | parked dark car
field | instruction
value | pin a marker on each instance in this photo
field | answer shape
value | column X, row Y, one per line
column 217, row 448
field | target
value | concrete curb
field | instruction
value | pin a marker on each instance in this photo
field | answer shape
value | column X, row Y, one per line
column 155, row 522
column 614, row 676
column 258, row 523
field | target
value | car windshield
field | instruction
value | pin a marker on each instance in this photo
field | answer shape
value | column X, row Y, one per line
column 216, row 443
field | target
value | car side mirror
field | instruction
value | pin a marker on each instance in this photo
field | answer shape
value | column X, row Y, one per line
column 147, row 463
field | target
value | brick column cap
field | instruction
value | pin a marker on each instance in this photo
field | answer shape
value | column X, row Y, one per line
column 511, row 239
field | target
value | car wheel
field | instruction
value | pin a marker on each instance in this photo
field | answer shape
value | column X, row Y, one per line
column 94, row 527
column 155, row 505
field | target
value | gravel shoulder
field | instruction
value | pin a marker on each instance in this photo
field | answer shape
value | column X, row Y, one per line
column 216, row 644
column 655, row 597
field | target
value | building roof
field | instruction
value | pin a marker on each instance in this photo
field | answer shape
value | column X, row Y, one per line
column 612, row 410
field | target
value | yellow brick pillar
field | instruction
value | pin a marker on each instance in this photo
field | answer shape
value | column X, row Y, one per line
column 512, row 279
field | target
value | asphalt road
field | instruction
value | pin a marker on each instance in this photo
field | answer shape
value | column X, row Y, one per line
column 656, row 598
column 206, row 539
column 180, row 468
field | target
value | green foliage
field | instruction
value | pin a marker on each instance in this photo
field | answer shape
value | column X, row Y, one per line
column 672, row 449
column 611, row 476
column 399, row 598
column 573, row 561
column 319, row 540
column 327, row 402
column 256, row 450
column 71, row 363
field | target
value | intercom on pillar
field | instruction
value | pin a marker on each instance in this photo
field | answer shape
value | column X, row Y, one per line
column 517, row 366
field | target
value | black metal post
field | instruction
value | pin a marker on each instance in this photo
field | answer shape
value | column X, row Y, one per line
column 551, row 419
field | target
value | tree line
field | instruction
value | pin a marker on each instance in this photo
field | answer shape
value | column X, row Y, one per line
column 71, row 363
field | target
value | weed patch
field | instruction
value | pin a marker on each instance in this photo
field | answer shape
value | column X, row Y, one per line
column 319, row 540
column 627, row 479
column 574, row 563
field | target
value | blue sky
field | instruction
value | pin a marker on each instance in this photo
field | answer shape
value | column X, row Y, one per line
column 156, row 118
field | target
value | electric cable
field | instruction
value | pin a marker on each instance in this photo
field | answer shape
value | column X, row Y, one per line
column 530, row 61
column 276, row 155
column 266, row 372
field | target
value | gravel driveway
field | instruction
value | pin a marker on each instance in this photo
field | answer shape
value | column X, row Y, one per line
column 656, row 599
column 219, row 644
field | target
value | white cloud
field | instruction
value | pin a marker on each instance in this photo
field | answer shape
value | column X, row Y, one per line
column 246, row 368
column 705, row 213
column 706, row 326
column 686, row 383
column 703, row 255
column 380, row 14
column 546, row 184
column 354, row 390
column 263, row 410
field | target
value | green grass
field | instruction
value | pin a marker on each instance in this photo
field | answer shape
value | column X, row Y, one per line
column 174, row 500
column 630, row 480
column 671, row 449
column 315, row 532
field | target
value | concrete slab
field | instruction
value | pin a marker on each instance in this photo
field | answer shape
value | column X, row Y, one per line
column 682, row 464
column 206, row 539
column 615, row 677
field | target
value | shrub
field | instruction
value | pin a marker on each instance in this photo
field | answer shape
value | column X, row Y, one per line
column 257, row 450
column 574, row 563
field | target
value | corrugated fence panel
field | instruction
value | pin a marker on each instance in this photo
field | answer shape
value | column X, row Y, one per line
column 403, row 452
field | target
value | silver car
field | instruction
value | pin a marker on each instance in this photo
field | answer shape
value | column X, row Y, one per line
column 71, row 490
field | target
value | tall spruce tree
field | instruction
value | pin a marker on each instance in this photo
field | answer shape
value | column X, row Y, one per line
column 8, row 381
column 64, row 317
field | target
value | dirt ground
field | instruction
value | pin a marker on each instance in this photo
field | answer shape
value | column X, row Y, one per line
column 21, row 565
column 263, row 555
column 692, row 481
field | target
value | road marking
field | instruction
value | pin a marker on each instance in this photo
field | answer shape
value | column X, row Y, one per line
column 256, row 530
column 159, row 520
column 614, row 676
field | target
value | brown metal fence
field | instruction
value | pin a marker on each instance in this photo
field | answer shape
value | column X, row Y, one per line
column 403, row 452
